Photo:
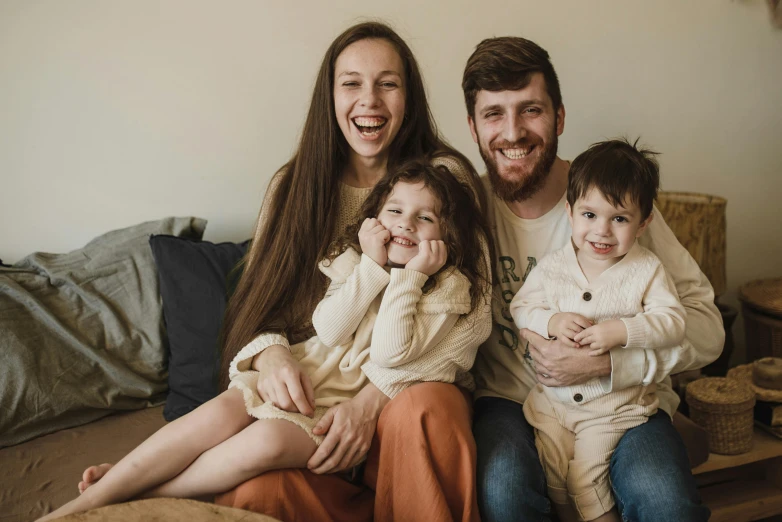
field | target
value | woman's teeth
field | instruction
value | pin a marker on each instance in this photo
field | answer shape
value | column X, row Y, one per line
column 369, row 126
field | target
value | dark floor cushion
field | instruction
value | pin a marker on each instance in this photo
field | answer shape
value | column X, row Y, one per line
column 193, row 287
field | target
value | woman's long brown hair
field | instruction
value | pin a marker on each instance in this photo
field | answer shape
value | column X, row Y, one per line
column 281, row 284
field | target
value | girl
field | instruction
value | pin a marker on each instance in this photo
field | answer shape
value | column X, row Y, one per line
column 420, row 224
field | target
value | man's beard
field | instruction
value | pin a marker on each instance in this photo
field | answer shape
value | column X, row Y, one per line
column 518, row 187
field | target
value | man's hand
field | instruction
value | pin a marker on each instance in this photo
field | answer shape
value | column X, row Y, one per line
column 349, row 428
column 372, row 237
column 283, row 382
column 566, row 325
column 604, row 336
column 430, row 258
column 557, row 364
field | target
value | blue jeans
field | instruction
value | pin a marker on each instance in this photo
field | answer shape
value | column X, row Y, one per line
column 650, row 471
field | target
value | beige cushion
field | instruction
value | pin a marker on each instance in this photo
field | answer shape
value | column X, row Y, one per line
column 166, row 510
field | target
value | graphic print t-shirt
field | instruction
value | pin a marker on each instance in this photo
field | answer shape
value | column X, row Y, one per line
column 500, row 369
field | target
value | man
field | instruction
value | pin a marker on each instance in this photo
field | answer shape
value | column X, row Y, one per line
column 516, row 114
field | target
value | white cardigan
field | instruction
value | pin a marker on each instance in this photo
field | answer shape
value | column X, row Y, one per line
column 636, row 290
column 500, row 369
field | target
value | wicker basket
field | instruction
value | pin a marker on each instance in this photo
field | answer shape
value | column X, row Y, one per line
column 698, row 222
column 724, row 407
column 762, row 309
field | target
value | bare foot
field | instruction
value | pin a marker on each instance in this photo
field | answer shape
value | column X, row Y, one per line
column 93, row 474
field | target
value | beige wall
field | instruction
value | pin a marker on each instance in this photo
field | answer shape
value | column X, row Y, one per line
column 114, row 112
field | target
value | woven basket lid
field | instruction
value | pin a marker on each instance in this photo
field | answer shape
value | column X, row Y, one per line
column 743, row 373
column 720, row 395
column 763, row 294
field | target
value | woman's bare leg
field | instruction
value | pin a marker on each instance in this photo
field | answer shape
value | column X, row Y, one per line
column 165, row 454
column 264, row 445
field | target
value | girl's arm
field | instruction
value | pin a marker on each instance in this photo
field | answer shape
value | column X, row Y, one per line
column 402, row 333
column 449, row 353
column 356, row 280
column 458, row 347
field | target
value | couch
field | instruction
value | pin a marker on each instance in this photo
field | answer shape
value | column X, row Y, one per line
column 102, row 346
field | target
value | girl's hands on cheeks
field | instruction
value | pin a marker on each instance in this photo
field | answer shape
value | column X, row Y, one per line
column 372, row 237
column 430, row 258
column 566, row 326
column 604, row 336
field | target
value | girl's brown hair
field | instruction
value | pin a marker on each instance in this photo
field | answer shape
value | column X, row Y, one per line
column 281, row 283
column 462, row 223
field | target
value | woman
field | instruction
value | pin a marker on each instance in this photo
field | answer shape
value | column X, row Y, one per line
column 368, row 113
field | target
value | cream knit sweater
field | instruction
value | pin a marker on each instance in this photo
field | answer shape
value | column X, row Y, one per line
column 373, row 321
column 459, row 343
column 636, row 290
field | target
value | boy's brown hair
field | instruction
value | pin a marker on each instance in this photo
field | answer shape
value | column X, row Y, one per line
column 621, row 171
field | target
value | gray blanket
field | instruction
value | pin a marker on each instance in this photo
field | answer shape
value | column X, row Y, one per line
column 81, row 334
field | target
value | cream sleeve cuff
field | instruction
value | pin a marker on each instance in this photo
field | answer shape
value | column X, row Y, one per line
column 243, row 360
column 539, row 321
column 636, row 332
column 628, row 368
column 409, row 280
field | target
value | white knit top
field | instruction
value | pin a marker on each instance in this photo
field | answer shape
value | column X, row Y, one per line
column 378, row 322
column 460, row 342
column 636, row 290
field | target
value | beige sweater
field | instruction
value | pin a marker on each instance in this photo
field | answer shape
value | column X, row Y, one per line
column 460, row 342
column 378, row 322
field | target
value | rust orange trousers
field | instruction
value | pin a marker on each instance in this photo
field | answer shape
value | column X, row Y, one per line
column 421, row 466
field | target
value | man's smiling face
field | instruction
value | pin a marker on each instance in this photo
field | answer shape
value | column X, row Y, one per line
column 516, row 132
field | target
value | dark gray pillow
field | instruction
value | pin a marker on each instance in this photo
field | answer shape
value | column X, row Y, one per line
column 193, row 287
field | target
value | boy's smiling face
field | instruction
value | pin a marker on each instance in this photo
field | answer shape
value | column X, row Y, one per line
column 603, row 232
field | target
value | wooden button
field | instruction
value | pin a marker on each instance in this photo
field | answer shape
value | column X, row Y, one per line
column 587, row 296
column 578, row 397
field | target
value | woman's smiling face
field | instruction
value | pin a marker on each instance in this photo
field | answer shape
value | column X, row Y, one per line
column 369, row 97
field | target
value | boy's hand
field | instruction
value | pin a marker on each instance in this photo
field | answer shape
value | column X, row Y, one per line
column 604, row 336
column 430, row 258
column 565, row 327
column 372, row 237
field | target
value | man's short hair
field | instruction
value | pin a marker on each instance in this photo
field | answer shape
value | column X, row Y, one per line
column 621, row 171
column 507, row 64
